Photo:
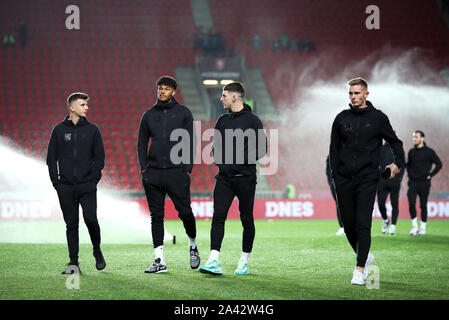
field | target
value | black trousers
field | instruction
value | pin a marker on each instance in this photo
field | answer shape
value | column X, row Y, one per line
column 244, row 187
column 70, row 198
column 334, row 195
column 355, row 199
column 421, row 189
column 382, row 193
column 176, row 183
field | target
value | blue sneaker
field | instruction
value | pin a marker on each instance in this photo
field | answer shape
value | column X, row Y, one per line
column 242, row 268
column 212, row 267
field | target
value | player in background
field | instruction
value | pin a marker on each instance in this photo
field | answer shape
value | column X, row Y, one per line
column 419, row 164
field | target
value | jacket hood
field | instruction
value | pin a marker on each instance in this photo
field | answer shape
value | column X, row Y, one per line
column 423, row 147
column 246, row 109
column 369, row 108
column 82, row 122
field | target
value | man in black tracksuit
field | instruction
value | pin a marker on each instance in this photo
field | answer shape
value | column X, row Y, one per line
column 331, row 184
column 356, row 140
column 389, row 186
column 75, row 158
column 419, row 164
column 236, row 158
column 166, row 172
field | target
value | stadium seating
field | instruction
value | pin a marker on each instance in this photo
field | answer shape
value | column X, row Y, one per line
column 341, row 38
column 123, row 47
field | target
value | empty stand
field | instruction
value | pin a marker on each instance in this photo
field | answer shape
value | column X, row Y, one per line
column 123, row 47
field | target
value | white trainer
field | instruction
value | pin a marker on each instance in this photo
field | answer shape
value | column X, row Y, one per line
column 369, row 261
column 341, row 232
column 414, row 231
column 357, row 278
column 422, row 231
column 392, row 230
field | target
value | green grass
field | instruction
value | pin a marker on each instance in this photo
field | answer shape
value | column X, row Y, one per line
column 290, row 260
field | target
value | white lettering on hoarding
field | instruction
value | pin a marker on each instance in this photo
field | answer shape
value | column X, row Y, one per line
column 288, row 209
column 203, row 209
column 444, row 209
column 25, row 210
column 432, row 209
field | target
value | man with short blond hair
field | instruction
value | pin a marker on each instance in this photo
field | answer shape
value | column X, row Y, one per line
column 358, row 81
column 354, row 151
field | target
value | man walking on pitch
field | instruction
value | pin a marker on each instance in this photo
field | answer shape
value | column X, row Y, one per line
column 236, row 151
column 161, row 174
column 389, row 186
column 419, row 163
column 75, row 158
column 354, row 152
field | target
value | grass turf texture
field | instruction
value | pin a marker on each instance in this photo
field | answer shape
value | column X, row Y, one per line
column 290, row 260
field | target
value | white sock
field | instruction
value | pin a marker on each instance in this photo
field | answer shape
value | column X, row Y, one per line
column 423, row 225
column 245, row 256
column 214, row 254
column 192, row 242
column 386, row 220
column 159, row 253
column 415, row 222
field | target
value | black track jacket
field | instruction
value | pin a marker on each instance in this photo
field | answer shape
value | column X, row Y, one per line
column 419, row 163
column 229, row 164
column 356, row 140
column 158, row 123
column 77, row 151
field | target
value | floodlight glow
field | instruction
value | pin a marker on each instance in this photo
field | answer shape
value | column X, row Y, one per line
column 226, row 81
column 210, row 82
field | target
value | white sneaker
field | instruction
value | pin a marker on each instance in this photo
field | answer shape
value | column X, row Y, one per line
column 369, row 261
column 357, row 278
column 341, row 232
column 392, row 230
column 385, row 224
column 414, row 230
column 422, row 231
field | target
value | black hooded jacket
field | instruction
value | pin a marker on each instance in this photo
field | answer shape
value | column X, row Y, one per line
column 419, row 163
column 158, row 123
column 239, row 155
column 356, row 140
column 75, row 153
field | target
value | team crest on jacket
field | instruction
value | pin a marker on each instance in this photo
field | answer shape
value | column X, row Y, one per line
column 67, row 136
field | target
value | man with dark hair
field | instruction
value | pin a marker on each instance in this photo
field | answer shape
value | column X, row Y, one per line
column 330, row 181
column 75, row 158
column 354, row 151
column 236, row 150
column 389, row 186
column 419, row 163
column 162, row 174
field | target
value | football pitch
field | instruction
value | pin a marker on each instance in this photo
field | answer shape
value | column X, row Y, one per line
column 291, row 260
